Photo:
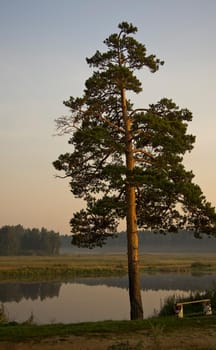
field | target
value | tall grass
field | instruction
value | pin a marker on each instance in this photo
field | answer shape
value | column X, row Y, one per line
column 168, row 307
column 51, row 273
column 38, row 267
column 3, row 314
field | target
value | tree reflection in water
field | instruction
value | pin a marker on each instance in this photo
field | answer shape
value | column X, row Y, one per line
column 17, row 291
column 94, row 299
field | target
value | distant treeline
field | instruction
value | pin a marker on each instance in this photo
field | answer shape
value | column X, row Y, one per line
column 182, row 241
column 16, row 240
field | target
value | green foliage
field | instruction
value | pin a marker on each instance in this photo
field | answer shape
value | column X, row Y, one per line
column 199, row 266
column 106, row 130
column 169, row 306
column 15, row 240
column 3, row 314
column 30, row 320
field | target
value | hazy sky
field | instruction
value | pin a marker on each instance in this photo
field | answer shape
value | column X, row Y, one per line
column 43, row 47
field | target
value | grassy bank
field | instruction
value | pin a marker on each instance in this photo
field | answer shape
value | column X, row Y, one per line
column 21, row 332
column 37, row 267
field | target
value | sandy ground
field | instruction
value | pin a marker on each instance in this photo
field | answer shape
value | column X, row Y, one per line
column 154, row 341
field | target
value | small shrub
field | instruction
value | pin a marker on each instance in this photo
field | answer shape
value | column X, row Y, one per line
column 200, row 266
column 169, row 306
column 30, row 320
column 157, row 332
column 3, row 314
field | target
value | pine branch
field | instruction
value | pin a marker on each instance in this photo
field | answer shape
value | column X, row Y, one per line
column 138, row 110
column 142, row 160
column 108, row 122
column 140, row 150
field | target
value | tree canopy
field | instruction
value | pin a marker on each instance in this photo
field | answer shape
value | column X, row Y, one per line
column 166, row 197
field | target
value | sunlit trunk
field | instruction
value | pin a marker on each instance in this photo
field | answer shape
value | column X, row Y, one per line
column 136, row 309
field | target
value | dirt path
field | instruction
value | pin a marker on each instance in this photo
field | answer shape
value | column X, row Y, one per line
column 154, row 341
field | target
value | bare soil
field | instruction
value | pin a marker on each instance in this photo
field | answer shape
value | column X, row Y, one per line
column 156, row 339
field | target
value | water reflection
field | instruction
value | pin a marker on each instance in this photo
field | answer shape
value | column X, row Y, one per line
column 186, row 282
column 17, row 291
column 92, row 299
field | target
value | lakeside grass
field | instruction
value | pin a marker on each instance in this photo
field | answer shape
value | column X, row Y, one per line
column 22, row 332
column 89, row 265
column 62, row 266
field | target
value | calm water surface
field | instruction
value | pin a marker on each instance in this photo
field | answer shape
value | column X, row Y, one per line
column 94, row 299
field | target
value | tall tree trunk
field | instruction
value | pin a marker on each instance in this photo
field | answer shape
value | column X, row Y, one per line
column 136, row 309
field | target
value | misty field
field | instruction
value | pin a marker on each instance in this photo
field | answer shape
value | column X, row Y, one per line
column 37, row 267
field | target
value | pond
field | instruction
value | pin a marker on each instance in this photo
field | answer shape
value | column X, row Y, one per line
column 94, row 299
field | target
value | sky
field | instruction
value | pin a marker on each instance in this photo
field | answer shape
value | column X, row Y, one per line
column 43, row 46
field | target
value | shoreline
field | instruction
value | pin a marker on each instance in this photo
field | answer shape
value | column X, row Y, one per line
column 35, row 268
column 156, row 333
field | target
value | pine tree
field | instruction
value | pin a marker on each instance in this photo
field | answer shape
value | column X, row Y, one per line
column 126, row 162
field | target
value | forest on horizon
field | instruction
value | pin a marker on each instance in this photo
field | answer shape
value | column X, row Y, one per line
column 16, row 240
